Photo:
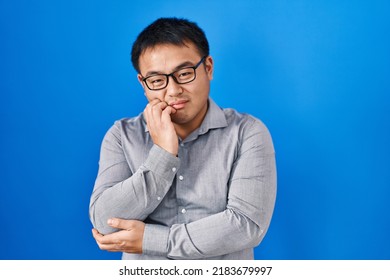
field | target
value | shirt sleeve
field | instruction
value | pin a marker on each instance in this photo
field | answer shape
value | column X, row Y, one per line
column 251, row 200
column 121, row 194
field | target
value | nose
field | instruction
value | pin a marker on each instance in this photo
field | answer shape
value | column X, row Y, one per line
column 173, row 88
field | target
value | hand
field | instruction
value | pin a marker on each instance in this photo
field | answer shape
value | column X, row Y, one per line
column 128, row 239
column 161, row 129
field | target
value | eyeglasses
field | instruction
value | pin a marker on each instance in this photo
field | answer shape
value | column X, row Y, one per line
column 182, row 76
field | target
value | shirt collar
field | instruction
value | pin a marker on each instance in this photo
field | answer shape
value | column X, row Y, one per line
column 215, row 118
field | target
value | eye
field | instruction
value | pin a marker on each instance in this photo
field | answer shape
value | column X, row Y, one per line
column 185, row 74
column 156, row 80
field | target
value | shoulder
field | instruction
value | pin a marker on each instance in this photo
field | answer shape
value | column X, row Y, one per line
column 243, row 121
column 134, row 123
column 126, row 126
column 249, row 129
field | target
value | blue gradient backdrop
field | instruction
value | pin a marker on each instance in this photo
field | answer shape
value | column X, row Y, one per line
column 316, row 72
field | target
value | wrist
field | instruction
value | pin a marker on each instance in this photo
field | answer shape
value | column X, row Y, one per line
column 172, row 149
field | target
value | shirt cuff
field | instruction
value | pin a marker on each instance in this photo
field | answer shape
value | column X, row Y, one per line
column 157, row 156
column 155, row 241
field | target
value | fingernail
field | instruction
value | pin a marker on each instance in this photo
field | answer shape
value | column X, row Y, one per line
column 110, row 221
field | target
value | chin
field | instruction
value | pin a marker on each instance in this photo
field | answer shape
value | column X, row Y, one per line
column 179, row 118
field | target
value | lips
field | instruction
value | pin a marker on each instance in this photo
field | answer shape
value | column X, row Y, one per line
column 178, row 104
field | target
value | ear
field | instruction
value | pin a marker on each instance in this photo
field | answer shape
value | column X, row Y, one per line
column 139, row 77
column 209, row 65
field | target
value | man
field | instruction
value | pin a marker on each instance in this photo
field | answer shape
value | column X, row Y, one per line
column 185, row 179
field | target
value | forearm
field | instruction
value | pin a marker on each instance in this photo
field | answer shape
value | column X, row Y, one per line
column 137, row 196
column 214, row 236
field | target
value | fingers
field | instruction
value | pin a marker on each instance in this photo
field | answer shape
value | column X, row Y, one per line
column 120, row 223
column 155, row 108
column 96, row 234
column 107, row 243
column 100, row 238
column 166, row 114
column 155, row 105
column 161, row 128
column 169, row 110
column 156, row 111
column 128, row 239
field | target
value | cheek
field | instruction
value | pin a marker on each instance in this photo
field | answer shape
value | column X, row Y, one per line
column 154, row 95
column 201, row 88
column 202, row 91
column 148, row 96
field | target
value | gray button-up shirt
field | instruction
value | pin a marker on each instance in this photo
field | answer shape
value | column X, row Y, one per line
column 214, row 201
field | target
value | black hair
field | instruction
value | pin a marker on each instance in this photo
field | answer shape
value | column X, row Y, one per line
column 173, row 31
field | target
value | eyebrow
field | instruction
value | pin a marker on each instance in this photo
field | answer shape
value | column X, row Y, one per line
column 180, row 66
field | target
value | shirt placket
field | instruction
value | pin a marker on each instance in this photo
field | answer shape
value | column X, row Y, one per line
column 181, row 184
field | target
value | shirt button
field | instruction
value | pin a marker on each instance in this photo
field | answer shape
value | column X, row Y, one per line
column 174, row 169
column 183, row 211
column 159, row 198
column 181, row 178
column 182, row 144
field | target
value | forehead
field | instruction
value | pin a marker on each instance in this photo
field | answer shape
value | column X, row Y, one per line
column 165, row 57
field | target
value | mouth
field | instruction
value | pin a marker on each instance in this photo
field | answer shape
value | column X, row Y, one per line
column 179, row 104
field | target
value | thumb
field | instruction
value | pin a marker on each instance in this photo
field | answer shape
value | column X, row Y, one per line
column 119, row 223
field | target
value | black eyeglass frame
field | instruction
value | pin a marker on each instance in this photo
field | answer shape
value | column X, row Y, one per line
column 173, row 77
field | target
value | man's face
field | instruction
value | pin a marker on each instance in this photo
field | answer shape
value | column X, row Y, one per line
column 189, row 100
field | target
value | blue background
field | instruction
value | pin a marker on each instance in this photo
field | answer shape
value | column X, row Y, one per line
column 316, row 72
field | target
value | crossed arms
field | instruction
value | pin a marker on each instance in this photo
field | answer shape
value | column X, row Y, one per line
column 123, row 200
